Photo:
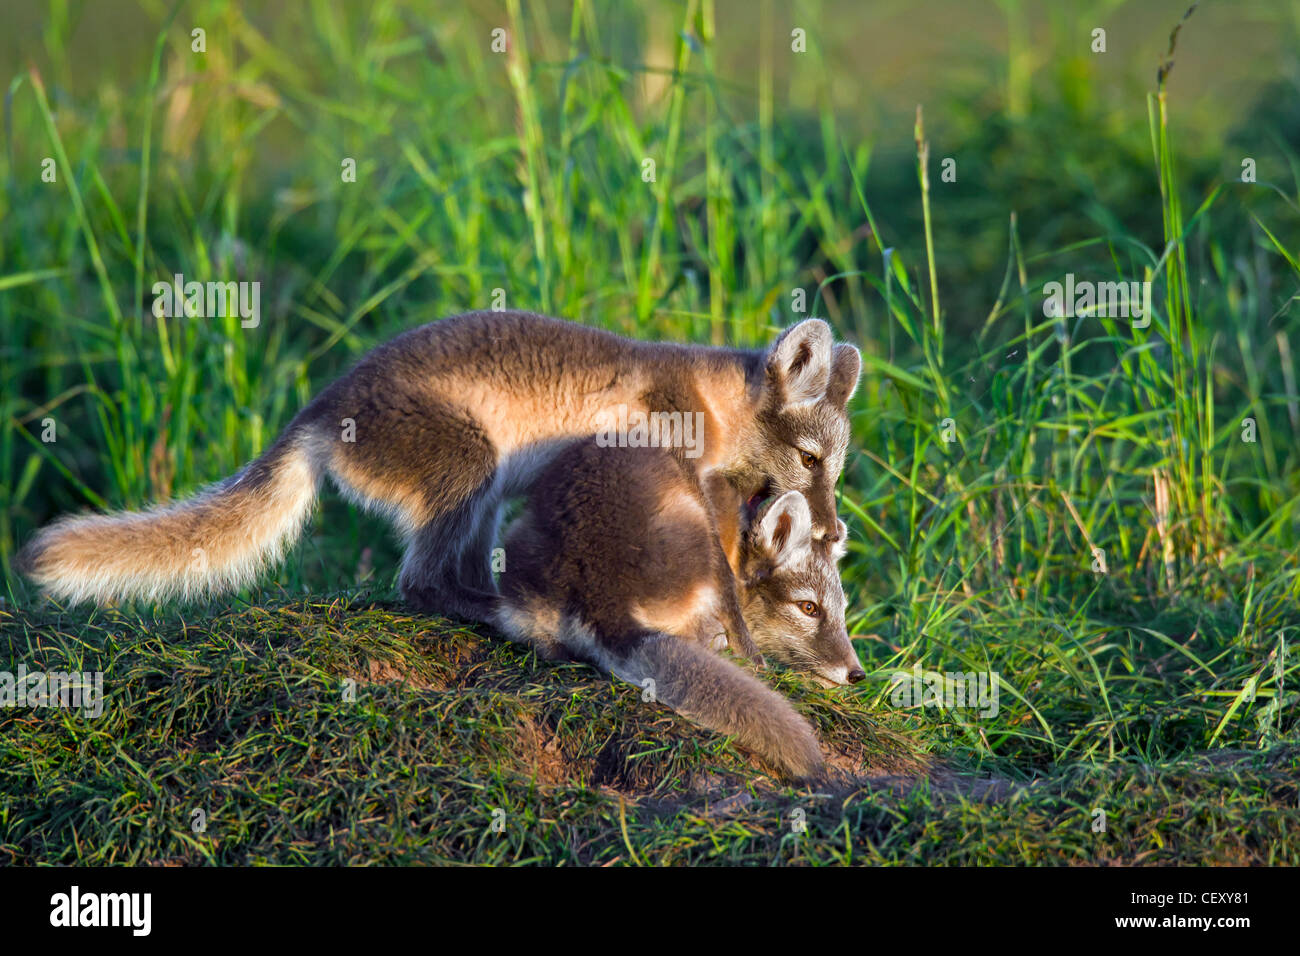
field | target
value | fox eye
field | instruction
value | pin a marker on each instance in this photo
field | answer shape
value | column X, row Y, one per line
column 808, row 458
column 809, row 608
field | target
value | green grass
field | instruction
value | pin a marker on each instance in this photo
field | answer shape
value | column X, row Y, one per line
column 242, row 715
column 1162, row 691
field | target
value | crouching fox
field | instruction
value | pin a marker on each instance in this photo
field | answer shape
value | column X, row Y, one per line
column 617, row 560
column 435, row 428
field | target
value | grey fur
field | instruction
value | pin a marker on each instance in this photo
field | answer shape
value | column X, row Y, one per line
column 718, row 695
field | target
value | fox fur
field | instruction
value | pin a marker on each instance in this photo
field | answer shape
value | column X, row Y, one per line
column 617, row 560
column 448, row 420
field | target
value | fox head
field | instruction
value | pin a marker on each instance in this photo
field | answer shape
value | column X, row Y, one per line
column 802, row 424
column 790, row 592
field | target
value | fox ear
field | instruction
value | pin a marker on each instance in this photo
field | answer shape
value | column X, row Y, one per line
column 784, row 529
column 846, row 369
column 799, row 362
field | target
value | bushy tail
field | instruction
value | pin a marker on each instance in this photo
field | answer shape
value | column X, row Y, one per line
column 717, row 694
column 216, row 541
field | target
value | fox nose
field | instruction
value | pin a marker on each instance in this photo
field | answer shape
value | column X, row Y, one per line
column 855, row 675
column 831, row 534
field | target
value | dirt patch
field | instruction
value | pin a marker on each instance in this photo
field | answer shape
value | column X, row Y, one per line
column 539, row 749
column 377, row 671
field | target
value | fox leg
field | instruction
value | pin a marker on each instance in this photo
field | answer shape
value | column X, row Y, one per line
column 447, row 567
column 430, row 466
column 733, row 622
column 724, row 541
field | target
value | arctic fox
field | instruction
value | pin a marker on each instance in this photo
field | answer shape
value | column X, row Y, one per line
column 436, row 427
column 617, row 560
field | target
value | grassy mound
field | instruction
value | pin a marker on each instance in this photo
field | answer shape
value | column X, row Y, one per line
column 341, row 731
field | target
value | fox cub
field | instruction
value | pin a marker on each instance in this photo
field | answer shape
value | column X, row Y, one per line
column 437, row 427
column 617, row 560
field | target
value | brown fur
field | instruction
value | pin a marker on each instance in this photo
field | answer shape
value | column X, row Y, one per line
column 606, row 529
column 452, row 417
column 613, row 561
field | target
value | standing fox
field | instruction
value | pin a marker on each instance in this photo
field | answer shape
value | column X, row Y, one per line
column 617, row 560
column 436, row 427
